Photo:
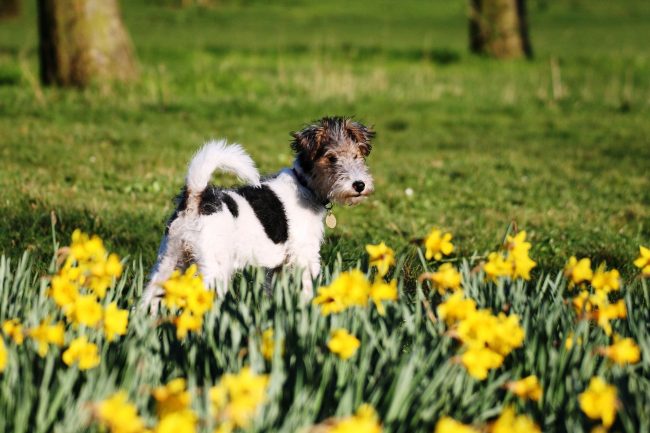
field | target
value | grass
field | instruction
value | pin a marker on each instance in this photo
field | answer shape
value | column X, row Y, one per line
column 558, row 144
column 405, row 366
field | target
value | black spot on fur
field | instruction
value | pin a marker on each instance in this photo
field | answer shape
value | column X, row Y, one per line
column 231, row 204
column 269, row 211
column 211, row 199
column 181, row 205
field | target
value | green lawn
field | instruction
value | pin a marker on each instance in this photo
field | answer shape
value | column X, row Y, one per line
column 560, row 144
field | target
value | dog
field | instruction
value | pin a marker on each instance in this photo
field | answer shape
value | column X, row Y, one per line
column 272, row 222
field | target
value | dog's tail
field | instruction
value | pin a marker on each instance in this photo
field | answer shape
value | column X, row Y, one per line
column 219, row 155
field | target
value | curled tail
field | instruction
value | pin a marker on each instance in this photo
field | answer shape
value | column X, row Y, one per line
column 219, row 155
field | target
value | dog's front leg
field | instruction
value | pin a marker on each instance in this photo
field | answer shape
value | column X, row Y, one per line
column 309, row 273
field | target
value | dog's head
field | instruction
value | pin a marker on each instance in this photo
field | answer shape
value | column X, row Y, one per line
column 332, row 155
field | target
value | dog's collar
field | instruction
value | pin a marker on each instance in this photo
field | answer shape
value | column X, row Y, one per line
column 303, row 182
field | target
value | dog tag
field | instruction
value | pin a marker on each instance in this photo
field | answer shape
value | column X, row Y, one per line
column 330, row 220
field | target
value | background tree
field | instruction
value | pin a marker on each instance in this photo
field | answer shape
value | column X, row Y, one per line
column 81, row 41
column 499, row 28
column 9, row 8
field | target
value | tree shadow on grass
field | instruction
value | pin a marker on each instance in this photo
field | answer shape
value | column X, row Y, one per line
column 33, row 226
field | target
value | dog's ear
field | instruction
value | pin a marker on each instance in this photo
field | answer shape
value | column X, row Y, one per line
column 309, row 140
column 360, row 134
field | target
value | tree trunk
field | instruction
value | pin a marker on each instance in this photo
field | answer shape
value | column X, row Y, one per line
column 9, row 8
column 499, row 28
column 83, row 41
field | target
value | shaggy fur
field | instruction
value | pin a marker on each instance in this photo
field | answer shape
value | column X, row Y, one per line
column 271, row 223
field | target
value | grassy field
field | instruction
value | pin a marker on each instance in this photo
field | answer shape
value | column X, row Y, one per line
column 559, row 144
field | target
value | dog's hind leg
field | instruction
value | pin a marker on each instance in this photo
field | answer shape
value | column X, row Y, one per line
column 215, row 279
column 169, row 255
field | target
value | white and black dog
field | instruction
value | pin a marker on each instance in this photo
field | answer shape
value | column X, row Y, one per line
column 272, row 222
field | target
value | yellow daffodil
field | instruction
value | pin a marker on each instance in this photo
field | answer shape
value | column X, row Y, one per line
column 84, row 248
column 350, row 289
column 343, row 344
column 510, row 422
column 478, row 329
column 643, row 261
column 381, row 256
column 64, row 288
column 445, row 278
column 179, row 286
column 584, row 302
column 381, row 291
column 608, row 312
column 199, row 300
column 522, row 265
column 597, row 307
column 450, row 425
column 599, row 401
column 508, row 334
column 14, row 330
column 365, row 420
column 88, row 266
column 177, row 422
column 501, row 333
column 45, row 334
column 85, row 311
column 268, row 344
column 118, row 415
column 487, row 340
column 526, row 388
column 568, row 344
column 518, row 250
column 331, row 299
column 479, row 360
column 355, row 286
column 578, row 271
column 3, row 355
column 455, row 308
column 99, row 283
column 113, row 267
column 517, row 243
column 186, row 322
column 623, row 351
column 115, row 321
column 188, row 292
column 102, row 273
column 496, row 266
column 83, row 352
column 438, row 245
column 172, row 397
column 606, row 281
column 236, row 397
column 516, row 263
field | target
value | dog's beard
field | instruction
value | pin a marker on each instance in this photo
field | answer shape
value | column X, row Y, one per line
column 342, row 192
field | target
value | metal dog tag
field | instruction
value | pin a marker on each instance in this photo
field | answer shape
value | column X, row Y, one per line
column 330, row 220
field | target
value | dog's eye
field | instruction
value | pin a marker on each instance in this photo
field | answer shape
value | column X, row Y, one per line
column 356, row 156
column 331, row 159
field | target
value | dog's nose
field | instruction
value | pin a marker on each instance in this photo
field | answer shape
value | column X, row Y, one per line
column 358, row 186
